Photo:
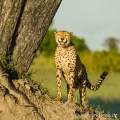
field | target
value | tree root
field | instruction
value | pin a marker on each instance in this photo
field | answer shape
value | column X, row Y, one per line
column 7, row 86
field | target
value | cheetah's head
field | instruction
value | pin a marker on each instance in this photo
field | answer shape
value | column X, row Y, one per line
column 63, row 38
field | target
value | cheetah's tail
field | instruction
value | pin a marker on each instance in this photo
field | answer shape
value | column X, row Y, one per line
column 100, row 80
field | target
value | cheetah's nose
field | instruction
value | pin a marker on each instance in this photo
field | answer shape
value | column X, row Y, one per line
column 62, row 38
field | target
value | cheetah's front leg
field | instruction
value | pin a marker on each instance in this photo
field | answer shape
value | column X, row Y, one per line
column 70, row 86
column 58, row 81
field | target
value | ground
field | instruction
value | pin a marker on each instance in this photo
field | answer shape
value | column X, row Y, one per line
column 44, row 108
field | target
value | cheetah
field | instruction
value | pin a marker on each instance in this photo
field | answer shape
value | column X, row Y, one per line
column 69, row 65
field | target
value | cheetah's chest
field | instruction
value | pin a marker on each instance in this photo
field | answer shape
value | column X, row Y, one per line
column 65, row 63
column 65, row 59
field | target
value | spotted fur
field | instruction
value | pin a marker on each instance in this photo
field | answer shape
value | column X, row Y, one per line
column 69, row 65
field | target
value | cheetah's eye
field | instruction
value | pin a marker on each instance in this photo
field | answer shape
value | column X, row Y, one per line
column 59, row 35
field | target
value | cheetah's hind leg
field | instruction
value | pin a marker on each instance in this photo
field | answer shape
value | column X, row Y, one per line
column 82, row 93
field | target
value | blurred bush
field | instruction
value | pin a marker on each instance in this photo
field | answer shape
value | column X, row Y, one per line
column 96, row 61
column 48, row 46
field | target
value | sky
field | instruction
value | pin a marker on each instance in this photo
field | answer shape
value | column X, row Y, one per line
column 93, row 20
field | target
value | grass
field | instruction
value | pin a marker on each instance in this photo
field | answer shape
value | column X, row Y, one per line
column 107, row 96
column 45, row 70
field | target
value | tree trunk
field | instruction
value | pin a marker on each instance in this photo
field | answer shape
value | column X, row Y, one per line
column 23, row 24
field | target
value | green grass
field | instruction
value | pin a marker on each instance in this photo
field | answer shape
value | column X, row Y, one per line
column 107, row 96
column 45, row 70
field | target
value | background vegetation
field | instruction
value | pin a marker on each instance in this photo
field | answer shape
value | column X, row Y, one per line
column 96, row 62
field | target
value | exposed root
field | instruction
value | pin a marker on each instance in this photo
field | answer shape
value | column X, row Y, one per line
column 7, row 89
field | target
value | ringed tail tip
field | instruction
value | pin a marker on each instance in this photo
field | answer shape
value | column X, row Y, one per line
column 104, row 74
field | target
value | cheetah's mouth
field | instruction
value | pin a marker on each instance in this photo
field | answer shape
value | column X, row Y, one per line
column 62, row 42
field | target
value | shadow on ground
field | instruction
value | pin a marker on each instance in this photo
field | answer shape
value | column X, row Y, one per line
column 109, row 106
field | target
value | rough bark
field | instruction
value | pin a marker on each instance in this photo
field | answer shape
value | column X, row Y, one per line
column 23, row 25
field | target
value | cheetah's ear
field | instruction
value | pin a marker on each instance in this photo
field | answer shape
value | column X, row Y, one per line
column 55, row 32
column 71, row 33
